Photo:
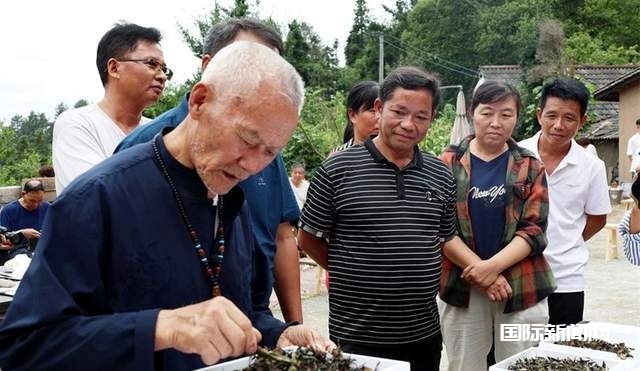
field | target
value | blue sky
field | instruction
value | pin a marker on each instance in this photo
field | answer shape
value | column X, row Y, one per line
column 49, row 46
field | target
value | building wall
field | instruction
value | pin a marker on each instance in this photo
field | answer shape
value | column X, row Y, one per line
column 629, row 113
column 608, row 152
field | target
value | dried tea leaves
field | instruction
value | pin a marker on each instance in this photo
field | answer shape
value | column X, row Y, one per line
column 620, row 349
column 556, row 364
column 301, row 359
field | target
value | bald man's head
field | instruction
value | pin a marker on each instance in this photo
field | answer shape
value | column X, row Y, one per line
column 252, row 65
column 241, row 114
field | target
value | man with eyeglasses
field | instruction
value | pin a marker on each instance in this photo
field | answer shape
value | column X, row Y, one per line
column 133, row 72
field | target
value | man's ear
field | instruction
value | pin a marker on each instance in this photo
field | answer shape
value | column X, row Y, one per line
column 204, row 62
column 377, row 105
column 112, row 68
column 583, row 120
column 201, row 94
column 539, row 115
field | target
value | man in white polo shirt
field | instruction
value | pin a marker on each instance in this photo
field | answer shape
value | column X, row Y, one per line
column 578, row 196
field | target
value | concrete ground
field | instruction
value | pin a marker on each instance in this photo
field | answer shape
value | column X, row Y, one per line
column 612, row 288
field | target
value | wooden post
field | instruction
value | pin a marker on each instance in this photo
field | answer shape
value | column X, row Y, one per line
column 611, row 250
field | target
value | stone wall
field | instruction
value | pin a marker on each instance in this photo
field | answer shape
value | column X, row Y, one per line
column 12, row 193
column 9, row 194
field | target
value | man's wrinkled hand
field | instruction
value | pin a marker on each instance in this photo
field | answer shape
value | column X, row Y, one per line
column 215, row 329
column 302, row 335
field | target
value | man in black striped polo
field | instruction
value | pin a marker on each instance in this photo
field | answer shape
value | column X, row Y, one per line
column 375, row 218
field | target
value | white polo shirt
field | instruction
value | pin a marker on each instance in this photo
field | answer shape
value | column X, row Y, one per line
column 577, row 187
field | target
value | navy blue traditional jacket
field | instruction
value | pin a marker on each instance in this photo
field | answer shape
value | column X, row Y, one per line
column 114, row 252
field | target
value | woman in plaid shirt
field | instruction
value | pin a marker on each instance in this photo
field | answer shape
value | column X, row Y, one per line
column 494, row 272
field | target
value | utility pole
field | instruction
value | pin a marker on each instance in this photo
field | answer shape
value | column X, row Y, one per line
column 380, row 57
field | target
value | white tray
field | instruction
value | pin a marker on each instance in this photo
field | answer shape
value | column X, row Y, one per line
column 540, row 352
column 382, row 364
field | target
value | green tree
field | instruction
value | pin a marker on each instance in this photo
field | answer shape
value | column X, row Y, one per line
column 365, row 67
column 170, row 98
column 358, row 37
column 25, row 145
column 319, row 131
column 81, row 103
column 34, row 133
column 614, row 22
column 446, row 43
column 316, row 63
column 586, row 49
column 240, row 8
column 59, row 109
column 437, row 138
column 508, row 32
column 550, row 59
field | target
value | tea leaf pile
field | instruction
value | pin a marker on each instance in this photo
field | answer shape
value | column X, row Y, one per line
column 302, row 359
column 556, row 364
column 620, row 349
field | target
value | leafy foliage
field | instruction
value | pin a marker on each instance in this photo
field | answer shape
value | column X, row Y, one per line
column 170, row 98
column 437, row 138
column 592, row 50
column 319, row 131
column 451, row 38
column 316, row 63
column 25, row 145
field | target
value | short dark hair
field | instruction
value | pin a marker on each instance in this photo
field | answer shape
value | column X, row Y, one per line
column 222, row 34
column 33, row 185
column 46, row 171
column 120, row 39
column 638, row 122
column 494, row 91
column 411, row 78
column 566, row 89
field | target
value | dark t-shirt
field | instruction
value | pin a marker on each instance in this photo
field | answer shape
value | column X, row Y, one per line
column 487, row 203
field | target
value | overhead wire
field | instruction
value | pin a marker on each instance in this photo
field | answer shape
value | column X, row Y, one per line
column 424, row 52
column 425, row 60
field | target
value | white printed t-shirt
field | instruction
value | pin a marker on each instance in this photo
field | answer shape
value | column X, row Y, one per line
column 82, row 138
column 577, row 187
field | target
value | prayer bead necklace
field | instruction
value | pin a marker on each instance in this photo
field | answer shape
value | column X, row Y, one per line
column 212, row 272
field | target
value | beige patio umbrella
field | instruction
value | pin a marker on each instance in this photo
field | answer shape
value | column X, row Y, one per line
column 461, row 127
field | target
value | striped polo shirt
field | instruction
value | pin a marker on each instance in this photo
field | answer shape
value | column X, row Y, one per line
column 384, row 226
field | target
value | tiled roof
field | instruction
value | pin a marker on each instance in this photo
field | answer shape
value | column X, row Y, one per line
column 599, row 75
column 604, row 110
column 510, row 73
column 611, row 90
column 606, row 129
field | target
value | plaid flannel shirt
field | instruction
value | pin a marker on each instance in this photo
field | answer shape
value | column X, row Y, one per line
column 527, row 207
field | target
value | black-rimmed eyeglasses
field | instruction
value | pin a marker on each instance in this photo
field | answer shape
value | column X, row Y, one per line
column 152, row 64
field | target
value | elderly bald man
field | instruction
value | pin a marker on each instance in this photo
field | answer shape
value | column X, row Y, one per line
column 146, row 261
